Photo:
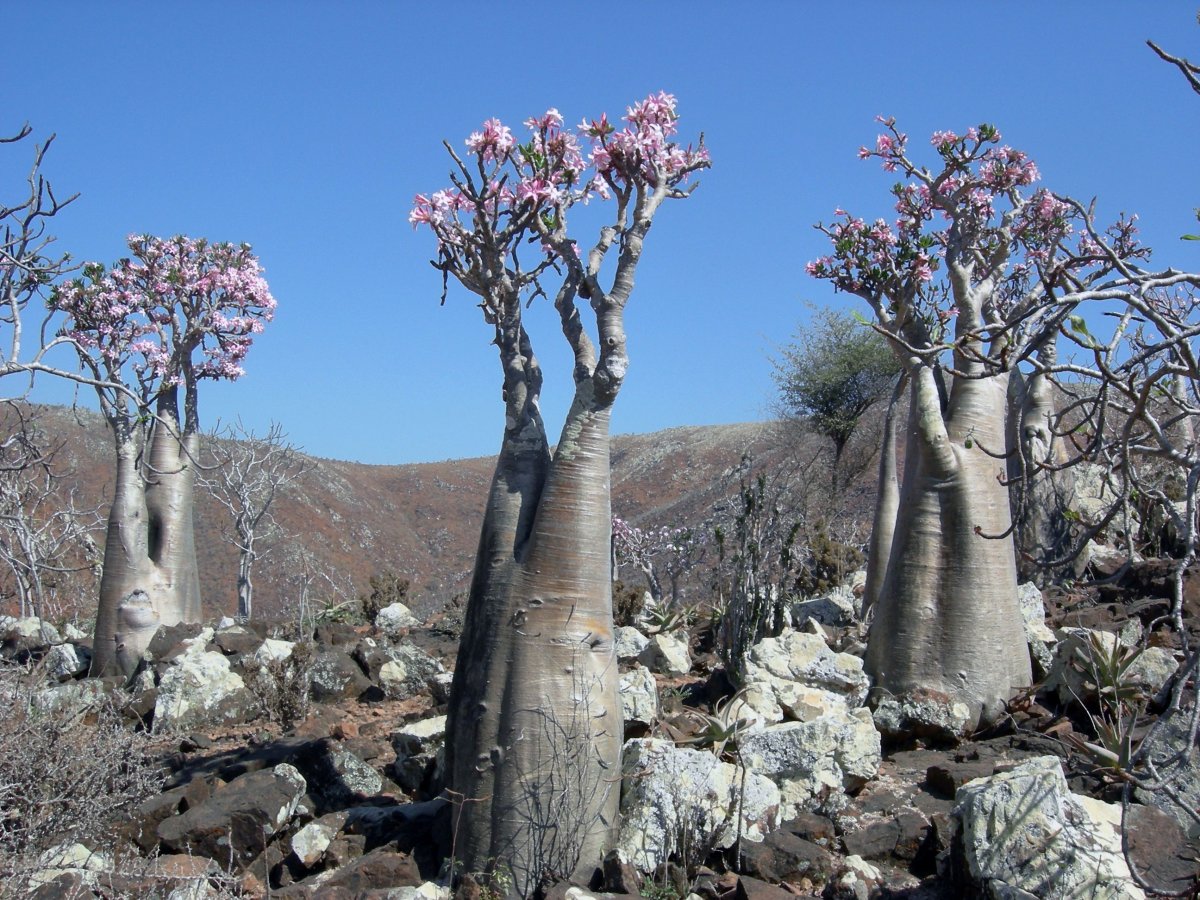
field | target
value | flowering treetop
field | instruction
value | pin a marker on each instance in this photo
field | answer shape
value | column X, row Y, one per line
column 519, row 191
column 155, row 310
column 1015, row 257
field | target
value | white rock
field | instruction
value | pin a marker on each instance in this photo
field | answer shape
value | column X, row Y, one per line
column 272, row 650
column 797, row 660
column 195, row 687
column 439, row 686
column 64, row 661
column 226, row 622
column 311, row 841
column 667, row 655
column 417, row 745
column 1023, row 830
column 815, row 763
column 296, row 782
column 639, row 696
column 72, row 698
column 628, row 642
column 835, row 608
column 405, row 670
column 667, row 791
column 30, row 627
column 71, row 633
column 394, row 619
column 1038, row 635
column 70, row 858
column 429, row 890
column 928, row 714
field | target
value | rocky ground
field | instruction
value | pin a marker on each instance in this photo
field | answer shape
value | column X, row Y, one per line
column 790, row 787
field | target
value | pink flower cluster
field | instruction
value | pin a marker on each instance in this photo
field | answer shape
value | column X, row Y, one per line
column 173, row 298
column 976, row 189
column 519, row 183
column 644, row 149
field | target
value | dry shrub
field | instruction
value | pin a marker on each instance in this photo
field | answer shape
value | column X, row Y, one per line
column 282, row 686
column 68, row 773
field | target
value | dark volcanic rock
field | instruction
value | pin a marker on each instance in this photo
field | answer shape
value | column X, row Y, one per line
column 235, row 825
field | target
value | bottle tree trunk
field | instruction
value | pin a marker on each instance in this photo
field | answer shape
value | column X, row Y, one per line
column 150, row 576
column 125, row 619
column 887, row 503
column 947, row 622
column 174, row 449
column 534, row 724
column 1040, row 493
column 477, row 694
column 557, row 779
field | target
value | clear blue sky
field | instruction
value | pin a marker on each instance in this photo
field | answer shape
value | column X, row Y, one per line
column 305, row 129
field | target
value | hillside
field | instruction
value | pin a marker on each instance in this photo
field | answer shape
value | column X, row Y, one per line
column 421, row 521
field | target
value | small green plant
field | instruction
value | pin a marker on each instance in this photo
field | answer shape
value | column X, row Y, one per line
column 1108, row 671
column 667, row 617
column 723, row 725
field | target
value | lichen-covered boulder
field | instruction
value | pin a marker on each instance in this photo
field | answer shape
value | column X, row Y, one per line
column 418, row 747
column 401, row 670
column 669, row 795
column 639, row 697
column 66, row 661
column 1038, row 635
column 836, row 608
column 797, row 676
column 336, row 676
column 628, row 642
column 394, row 620
column 198, row 687
column 1023, row 833
column 236, row 823
column 924, row 713
column 667, row 655
column 815, row 763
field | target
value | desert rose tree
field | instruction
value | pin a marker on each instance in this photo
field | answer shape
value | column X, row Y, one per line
column 177, row 312
column 534, row 731
column 976, row 274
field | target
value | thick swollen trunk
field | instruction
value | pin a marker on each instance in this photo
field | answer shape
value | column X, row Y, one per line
column 540, row 793
column 169, row 501
column 1040, row 495
column 557, row 783
column 947, row 620
column 476, row 696
column 887, row 505
column 125, row 616
column 150, row 576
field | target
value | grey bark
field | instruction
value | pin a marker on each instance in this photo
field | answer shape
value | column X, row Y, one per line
column 947, row 619
column 534, row 725
column 1041, row 491
column 887, row 502
column 150, row 576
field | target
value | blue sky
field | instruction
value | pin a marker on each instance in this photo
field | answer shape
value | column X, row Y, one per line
column 306, row 128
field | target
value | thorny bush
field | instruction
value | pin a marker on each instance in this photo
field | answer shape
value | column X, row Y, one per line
column 67, row 772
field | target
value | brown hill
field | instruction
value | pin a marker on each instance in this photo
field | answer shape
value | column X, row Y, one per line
column 344, row 522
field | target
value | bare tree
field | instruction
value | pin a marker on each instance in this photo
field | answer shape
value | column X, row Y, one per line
column 45, row 535
column 27, row 265
column 247, row 475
